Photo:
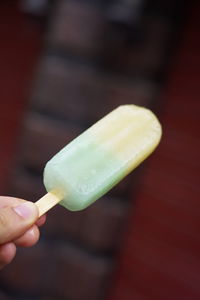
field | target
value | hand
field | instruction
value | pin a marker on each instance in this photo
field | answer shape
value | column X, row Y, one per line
column 18, row 227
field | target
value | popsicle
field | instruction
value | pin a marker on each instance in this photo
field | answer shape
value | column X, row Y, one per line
column 99, row 158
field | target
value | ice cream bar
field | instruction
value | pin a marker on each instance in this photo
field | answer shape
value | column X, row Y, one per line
column 100, row 157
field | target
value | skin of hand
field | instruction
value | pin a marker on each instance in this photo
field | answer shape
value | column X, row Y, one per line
column 19, row 227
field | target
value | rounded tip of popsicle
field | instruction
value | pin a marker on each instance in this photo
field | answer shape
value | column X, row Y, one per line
column 141, row 109
column 155, row 125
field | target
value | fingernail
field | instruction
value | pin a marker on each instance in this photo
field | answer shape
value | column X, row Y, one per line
column 24, row 210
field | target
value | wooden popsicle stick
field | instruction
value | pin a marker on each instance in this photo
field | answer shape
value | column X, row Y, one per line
column 48, row 201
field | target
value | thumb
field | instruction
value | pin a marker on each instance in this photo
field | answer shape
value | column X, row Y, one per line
column 15, row 221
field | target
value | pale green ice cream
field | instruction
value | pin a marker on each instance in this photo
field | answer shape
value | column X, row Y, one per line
column 100, row 157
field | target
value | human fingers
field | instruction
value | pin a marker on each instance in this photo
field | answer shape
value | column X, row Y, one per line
column 41, row 221
column 29, row 238
column 15, row 221
column 7, row 253
column 11, row 201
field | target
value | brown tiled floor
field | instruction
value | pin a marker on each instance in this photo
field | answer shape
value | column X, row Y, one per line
column 161, row 253
column 19, row 48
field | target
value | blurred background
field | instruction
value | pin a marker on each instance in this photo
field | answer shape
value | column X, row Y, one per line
column 63, row 65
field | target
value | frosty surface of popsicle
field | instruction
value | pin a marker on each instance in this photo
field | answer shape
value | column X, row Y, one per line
column 104, row 154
